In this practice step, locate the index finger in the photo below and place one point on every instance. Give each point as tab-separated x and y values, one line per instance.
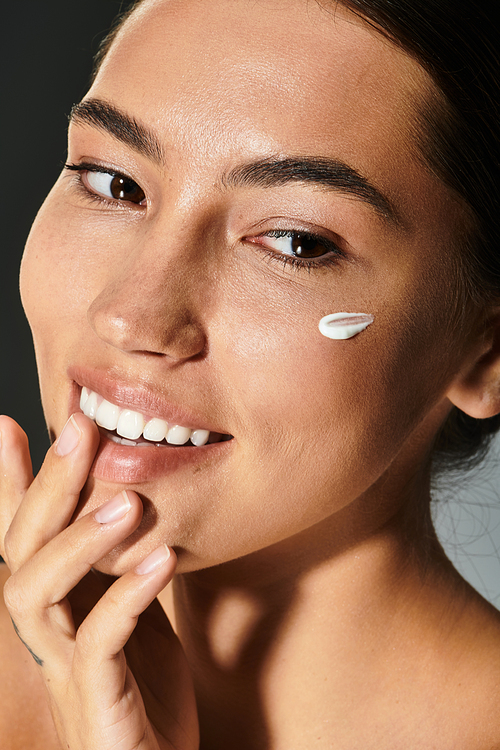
16	472
49	501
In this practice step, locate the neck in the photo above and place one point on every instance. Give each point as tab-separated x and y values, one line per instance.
306	622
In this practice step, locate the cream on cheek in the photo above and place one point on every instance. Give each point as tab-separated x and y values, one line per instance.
343	325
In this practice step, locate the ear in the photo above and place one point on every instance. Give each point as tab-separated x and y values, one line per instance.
476	389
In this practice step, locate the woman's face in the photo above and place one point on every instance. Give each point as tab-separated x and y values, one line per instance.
246	131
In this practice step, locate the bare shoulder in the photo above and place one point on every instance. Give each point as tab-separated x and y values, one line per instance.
482	669
472	679
25	719
443	682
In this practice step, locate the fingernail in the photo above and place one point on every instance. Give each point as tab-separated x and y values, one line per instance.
113	509
153	561
68	439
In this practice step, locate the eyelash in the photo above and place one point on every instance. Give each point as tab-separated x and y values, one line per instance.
297	263
82	167
288	261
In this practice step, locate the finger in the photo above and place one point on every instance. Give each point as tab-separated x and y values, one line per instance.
50	500
98	656
36	594
16	472
110	696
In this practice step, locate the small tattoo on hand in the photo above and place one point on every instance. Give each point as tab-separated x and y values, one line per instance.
35	657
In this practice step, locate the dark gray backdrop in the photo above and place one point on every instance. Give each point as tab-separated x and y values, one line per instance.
47	50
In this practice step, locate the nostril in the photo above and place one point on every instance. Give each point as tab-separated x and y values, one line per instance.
145	329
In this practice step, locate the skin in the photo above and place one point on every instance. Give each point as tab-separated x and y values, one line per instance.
316	513
239	305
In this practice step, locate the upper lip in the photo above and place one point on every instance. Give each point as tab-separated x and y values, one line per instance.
138	397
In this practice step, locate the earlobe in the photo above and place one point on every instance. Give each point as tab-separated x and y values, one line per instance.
476	390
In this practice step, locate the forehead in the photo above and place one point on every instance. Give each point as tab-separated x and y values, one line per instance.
277	71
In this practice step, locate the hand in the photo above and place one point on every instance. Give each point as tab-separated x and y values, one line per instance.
115	671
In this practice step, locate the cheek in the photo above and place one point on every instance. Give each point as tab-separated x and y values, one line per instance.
65	262
301	401
49	278
320	409
54	296
41	283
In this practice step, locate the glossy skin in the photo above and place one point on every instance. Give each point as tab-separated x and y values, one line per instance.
180	305
177	296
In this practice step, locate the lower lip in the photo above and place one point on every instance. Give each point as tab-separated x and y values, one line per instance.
129	464
126	464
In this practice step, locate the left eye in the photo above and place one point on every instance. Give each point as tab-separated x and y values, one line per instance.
115	186
298	244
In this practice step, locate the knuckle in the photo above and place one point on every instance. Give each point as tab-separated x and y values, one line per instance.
88	643
15	598
46	480
116	601
11	547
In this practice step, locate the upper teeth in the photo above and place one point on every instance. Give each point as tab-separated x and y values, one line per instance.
131	425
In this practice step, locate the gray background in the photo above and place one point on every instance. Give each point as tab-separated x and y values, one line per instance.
47	50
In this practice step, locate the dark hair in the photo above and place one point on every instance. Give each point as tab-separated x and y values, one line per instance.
456	42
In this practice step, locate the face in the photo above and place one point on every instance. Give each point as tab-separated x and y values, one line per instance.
180	267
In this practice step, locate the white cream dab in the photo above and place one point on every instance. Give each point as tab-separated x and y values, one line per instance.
344	325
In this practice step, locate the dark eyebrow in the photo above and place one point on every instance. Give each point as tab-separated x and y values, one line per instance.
331	174
319	171
127	129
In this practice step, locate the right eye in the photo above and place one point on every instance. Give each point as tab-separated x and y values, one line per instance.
114	186
110	185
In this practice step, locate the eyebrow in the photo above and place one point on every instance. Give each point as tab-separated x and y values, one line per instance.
127	129
320	172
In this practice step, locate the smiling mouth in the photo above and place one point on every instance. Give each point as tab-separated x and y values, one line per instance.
127	427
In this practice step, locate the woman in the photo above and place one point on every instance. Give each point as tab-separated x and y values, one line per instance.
230	185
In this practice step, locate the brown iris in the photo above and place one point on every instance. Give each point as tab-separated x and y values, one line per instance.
122	188
305	246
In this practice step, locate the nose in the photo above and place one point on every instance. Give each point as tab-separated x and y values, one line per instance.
148	306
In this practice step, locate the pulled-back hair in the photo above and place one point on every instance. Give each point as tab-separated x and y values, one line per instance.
456	42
